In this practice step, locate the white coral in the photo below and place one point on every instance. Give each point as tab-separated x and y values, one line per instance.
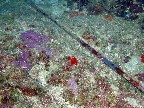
39	73
133	64
133	102
56	92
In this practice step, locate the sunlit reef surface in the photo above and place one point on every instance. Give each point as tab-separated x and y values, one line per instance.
41	66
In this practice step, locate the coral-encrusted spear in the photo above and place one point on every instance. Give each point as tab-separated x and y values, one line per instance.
83	43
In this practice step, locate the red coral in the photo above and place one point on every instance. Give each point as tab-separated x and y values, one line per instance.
6	101
140	76
88	36
73	60
75	13
102	84
27	91
70	65
142	58
104	103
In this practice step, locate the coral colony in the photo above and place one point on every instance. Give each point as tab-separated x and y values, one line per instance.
72	85
22	60
33	40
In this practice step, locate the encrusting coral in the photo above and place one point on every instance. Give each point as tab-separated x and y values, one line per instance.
32	40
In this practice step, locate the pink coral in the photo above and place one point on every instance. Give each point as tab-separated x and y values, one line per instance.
72	85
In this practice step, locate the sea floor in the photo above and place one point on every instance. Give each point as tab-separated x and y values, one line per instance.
71	76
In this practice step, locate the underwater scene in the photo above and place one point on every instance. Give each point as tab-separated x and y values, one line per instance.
71	53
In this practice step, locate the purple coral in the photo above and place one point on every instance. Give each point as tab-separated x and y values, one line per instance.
24	54
31	37
23	64
22	61
35	40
